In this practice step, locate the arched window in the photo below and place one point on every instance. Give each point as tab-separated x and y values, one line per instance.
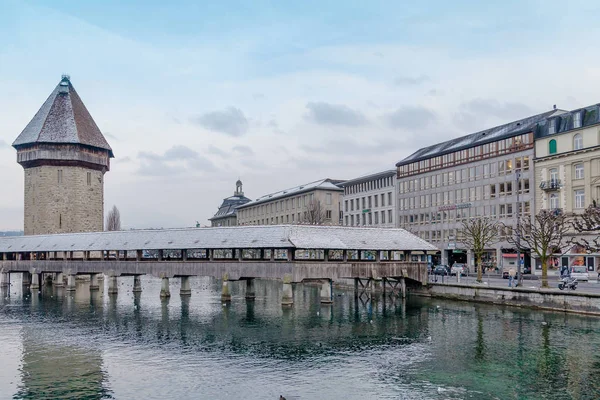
552	147
577	142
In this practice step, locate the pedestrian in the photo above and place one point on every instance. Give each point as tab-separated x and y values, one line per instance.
511	275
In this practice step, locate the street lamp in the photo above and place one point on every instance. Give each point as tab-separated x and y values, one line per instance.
519	274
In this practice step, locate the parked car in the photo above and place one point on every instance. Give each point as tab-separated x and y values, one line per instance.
458	268
580	273
441	270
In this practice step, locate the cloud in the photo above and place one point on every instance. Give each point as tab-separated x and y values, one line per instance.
180	153
217	151
475	114
410	117
334	114
410	80
176	160
243	150
351	147
123	160
230	121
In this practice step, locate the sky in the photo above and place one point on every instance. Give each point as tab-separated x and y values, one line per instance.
192	95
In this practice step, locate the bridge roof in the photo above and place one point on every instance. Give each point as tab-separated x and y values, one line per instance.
247	237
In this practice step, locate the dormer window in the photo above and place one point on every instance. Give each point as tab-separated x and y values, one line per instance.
552	127
577	120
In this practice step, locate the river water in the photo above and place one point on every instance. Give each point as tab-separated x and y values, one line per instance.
58	345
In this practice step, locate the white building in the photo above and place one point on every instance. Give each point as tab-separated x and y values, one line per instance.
370	200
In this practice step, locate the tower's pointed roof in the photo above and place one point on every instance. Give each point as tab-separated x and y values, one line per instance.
63	118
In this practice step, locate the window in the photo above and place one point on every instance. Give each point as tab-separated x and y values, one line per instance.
578	171
579	198
382	200
577	120
577	142
553	174
369	201
328	214
389	198
552	146
60	176
390	220
383	217
554	201
376	198
376	218
346	206
89	178
552	127
345	220
328	199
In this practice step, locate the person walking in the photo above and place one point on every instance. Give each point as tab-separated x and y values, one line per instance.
511	276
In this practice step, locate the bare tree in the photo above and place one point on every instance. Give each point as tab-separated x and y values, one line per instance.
545	235
314	214
588	223
113	220
478	234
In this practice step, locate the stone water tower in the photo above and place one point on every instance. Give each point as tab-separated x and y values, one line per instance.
65	157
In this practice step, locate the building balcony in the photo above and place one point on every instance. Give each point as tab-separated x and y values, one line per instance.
551	185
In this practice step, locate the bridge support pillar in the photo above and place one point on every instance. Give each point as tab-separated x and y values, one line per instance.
355	285
35	281
60	280
26	279
225	294
94	282
186	289
71	285
4	279
287	296
403	287
137	284
250	294
113	287
326	293
164	288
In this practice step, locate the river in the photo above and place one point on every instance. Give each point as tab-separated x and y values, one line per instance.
59	345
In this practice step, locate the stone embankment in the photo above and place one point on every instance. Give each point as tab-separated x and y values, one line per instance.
543	299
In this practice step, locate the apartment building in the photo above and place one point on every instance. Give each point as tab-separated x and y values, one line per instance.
487	173
567	167
370	200
312	203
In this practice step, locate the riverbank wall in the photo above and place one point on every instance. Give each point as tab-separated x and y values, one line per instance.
543	299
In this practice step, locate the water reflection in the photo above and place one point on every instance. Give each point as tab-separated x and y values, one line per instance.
92	345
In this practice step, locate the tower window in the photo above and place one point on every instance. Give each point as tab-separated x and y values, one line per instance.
60	221
89	178
60	176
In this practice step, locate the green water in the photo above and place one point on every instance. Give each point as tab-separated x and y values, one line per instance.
92	346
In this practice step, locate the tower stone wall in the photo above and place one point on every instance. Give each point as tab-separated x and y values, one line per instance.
62	199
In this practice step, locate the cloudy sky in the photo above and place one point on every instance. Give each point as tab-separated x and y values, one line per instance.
192	95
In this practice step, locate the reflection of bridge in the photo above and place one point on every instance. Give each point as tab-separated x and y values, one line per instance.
288	253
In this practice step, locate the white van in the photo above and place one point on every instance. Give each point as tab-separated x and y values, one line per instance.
580	272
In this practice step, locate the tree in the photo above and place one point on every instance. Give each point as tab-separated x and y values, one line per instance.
113	220
314	214
588	223
545	235
478	234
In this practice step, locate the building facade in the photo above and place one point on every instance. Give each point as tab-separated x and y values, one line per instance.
487	173
370	200
65	157
567	167
315	203
227	213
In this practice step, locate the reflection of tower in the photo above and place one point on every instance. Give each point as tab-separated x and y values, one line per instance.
65	156
55	369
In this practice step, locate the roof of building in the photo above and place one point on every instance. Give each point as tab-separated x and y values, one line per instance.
505	131
369	177
323	184
64	119
247	237
590	115
227	208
